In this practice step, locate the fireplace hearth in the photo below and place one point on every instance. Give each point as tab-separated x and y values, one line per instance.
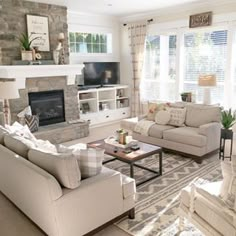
48	105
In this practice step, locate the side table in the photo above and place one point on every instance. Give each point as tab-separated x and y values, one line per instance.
225	135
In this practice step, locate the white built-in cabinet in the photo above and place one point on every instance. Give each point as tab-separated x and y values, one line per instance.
103	105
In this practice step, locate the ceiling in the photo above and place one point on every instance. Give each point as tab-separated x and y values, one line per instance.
124	8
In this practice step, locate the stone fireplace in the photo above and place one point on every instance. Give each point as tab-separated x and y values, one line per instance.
48	105
56	102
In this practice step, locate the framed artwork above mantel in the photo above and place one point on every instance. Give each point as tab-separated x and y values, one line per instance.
37	27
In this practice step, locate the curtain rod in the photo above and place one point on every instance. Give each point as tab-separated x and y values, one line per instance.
150	20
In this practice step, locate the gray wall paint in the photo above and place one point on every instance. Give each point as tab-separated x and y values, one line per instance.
13	23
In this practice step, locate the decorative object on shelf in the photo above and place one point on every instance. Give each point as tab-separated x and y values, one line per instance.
228	119
85	107
37	28
186	96
200	20
8	90
26	47
207	81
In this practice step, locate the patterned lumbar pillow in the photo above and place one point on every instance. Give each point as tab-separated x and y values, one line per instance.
32	122
177	116
90	161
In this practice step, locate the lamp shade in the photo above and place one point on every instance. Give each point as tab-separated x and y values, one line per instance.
8	90
207	80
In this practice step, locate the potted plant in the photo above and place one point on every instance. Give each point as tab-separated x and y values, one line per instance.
26	50
228	119
186	96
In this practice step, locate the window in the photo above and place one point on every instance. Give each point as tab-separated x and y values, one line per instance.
205	53
159	74
90	43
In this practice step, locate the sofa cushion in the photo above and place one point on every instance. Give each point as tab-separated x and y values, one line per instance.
185	135
177	116
18	144
90	161
198	115
156	130
64	167
162	117
128	186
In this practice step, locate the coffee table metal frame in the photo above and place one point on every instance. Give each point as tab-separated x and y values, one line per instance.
119	155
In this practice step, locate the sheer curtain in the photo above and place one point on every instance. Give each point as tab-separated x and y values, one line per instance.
137	35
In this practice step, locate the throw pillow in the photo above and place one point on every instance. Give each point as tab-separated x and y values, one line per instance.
32	122
90	161
18	144
64	167
177	116
162	117
45	146
153	108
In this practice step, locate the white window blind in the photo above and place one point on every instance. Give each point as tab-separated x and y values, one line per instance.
205	53
159	72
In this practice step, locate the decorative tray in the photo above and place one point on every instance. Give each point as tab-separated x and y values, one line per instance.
112	141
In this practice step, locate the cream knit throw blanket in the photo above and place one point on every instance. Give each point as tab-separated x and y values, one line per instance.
143	126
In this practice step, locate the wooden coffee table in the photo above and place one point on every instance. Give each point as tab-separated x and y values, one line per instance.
146	150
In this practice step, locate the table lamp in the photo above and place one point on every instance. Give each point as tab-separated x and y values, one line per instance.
8	90
207	81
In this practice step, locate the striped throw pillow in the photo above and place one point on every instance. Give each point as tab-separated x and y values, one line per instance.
90	161
32	122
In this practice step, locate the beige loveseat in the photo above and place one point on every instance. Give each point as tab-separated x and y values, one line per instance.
199	135
57	210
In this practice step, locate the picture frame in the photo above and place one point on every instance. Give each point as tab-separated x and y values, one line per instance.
200	20
37	27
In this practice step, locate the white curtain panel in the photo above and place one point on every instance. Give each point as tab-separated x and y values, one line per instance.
137	34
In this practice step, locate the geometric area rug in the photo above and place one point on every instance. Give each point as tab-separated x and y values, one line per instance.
157	201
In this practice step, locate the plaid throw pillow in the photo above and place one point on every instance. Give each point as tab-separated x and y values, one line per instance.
90	161
32	122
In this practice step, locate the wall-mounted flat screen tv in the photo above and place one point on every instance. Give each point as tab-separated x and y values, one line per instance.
101	73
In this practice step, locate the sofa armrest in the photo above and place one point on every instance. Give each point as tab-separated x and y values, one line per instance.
210	129
214	201
141	117
212	132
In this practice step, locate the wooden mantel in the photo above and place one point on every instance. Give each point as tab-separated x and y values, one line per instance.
20	73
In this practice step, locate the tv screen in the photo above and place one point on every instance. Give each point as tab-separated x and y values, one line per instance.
101	73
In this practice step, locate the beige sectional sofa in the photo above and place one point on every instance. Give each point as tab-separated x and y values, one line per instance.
199	135
57	210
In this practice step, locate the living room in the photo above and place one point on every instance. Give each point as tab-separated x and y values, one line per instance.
121	113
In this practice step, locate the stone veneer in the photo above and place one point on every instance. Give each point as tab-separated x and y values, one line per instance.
56	133
13	23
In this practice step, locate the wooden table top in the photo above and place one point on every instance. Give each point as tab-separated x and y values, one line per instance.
145	150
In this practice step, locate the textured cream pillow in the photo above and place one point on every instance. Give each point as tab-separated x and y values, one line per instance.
64	167
177	116
162	117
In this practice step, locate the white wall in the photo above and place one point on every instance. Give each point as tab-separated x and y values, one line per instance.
83	22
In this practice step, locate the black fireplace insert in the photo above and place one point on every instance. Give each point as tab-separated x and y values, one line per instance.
48	105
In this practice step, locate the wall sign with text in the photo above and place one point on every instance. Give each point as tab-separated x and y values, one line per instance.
37	27
199	20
